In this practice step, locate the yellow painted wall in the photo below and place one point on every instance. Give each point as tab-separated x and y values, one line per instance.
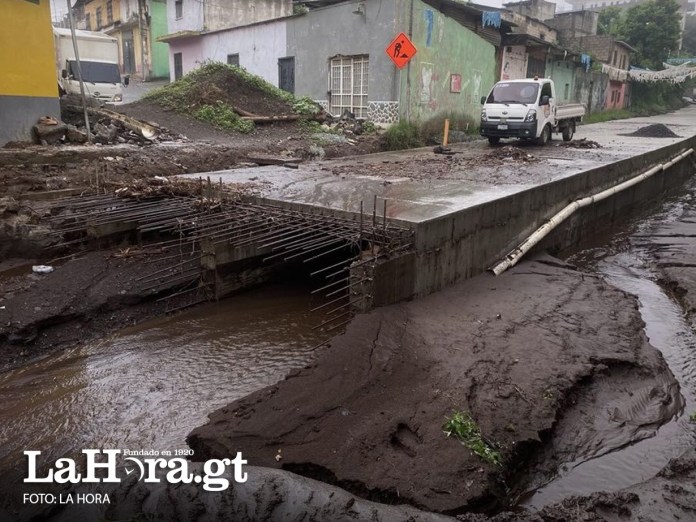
91	10
26	49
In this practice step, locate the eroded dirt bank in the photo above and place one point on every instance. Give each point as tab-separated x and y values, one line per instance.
673	247
514	351
669	496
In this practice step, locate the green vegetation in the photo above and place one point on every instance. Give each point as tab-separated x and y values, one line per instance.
657	97
692	417
651	27
598	117
369	127
209	94
648	99
222	116
433	128
403	135
610	20
464	428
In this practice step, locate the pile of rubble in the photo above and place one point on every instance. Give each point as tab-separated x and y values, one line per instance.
158	187
583	143
107	128
347	124
509	153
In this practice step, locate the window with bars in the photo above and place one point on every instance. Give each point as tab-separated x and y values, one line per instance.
348	81
99	18
109	12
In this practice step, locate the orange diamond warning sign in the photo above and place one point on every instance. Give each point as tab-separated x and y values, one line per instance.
401	50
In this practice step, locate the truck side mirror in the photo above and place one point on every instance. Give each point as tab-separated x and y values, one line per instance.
64	74
544	100
126	80
483	100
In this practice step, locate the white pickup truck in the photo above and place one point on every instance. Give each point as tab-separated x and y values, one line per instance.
527	109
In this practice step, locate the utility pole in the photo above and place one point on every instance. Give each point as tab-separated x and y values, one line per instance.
79	71
145	74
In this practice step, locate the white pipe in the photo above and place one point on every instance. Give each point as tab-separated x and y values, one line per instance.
513	257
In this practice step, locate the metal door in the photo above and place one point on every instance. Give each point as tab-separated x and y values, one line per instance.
536	67
128	53
286	74
178	66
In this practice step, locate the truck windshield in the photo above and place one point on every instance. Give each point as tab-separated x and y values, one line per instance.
514	92
96	72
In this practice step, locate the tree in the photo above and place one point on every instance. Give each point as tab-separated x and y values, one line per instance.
610	21
689	36
653	29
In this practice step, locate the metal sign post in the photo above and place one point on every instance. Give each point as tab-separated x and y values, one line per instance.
79	71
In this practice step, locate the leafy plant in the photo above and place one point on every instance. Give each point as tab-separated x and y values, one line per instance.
464	428
403	135
223	116
369	127
306	106
692	417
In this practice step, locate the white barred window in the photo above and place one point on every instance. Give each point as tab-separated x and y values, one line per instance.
348	85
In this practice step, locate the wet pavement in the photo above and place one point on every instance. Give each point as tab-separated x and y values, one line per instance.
420	185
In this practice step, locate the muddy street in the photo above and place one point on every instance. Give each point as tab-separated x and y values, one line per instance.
145	386
335	323
149	385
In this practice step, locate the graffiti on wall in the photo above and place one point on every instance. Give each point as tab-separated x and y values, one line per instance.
426	82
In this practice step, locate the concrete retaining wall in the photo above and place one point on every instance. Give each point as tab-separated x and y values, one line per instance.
463	244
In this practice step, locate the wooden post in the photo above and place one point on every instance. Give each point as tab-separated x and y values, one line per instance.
445	134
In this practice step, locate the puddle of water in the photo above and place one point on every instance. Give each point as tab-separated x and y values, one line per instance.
149	386
669	331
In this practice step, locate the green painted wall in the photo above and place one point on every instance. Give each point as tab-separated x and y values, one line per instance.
562	72
158	27
444	48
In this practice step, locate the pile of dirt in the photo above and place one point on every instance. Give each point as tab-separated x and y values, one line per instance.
509	153
231	98
583	143
47	168
390	383
656	130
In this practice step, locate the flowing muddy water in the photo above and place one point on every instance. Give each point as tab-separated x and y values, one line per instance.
150	385
626	264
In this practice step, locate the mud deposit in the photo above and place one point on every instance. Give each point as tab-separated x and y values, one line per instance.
511	355
147	387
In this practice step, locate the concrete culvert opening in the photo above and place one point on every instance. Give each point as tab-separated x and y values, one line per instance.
205	243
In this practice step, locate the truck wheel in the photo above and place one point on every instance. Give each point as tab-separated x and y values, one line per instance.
493	140
545	136
569	131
